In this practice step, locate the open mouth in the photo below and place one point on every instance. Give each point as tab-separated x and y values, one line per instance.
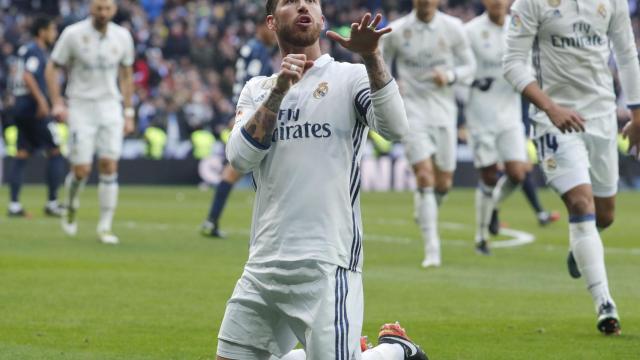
304	20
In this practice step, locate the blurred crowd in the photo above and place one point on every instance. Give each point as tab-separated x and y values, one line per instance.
186	51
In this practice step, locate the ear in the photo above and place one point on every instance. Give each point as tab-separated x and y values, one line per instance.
271	22
324	23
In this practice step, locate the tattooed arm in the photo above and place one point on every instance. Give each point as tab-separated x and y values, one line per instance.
378	71
251	136
376	95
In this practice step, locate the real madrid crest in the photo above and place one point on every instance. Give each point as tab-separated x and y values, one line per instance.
442	44
554	3
551	163
602	10
321	91
485	34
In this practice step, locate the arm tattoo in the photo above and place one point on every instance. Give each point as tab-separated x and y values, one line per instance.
263	122
377	70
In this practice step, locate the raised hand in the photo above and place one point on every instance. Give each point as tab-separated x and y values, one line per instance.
364	36
292	69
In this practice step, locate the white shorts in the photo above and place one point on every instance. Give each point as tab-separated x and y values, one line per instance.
438	141
573	159
272	309
491	148
95	126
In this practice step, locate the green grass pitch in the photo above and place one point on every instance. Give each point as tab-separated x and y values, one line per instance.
161	293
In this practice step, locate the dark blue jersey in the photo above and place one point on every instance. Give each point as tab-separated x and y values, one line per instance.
32	59
254	60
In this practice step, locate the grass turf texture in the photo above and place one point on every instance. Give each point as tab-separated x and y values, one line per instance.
161	293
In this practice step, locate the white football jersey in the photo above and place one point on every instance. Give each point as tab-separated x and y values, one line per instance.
93	59
308	180
571	43
493	104
419	48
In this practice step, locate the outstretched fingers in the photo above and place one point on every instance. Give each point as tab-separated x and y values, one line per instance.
337	38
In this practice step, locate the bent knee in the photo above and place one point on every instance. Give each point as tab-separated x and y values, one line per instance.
580	205
605	220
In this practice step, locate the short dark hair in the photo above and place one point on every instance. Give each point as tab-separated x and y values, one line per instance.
271	6
40	22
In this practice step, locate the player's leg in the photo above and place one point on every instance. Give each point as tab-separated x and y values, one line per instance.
108	198
419	147
485	206
25	145
230	176
109	138
15	178
529	189
485	159
252	328
82	129
566	161
50	140
445	139
511	148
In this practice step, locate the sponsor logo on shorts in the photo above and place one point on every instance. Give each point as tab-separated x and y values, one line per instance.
551	164
554	3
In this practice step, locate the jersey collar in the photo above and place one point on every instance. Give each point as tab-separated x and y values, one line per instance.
431	25
322	61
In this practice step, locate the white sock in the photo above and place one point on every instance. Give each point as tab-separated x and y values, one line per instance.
74	187
484	208
384	352
108	198
503	189
589	254
428	221
297	354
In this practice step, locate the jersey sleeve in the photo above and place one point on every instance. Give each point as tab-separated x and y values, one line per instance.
243	152
382	111
520	36
624	48
129	51
31	62
389	48
465	67
62	51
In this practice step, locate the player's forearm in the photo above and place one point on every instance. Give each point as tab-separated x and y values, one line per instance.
378	72
32	85
126	86
52	75
261	126
539	98
387	114
466	70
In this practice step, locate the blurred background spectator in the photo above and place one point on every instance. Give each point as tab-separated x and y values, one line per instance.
186	54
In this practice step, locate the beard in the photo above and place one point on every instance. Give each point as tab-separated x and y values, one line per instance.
298	38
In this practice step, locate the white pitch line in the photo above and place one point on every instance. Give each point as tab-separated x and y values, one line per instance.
519	237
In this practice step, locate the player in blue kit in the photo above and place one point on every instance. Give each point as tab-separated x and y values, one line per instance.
36	130
255	60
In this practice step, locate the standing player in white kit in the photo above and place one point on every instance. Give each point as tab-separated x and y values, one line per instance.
301	132
98	56
575	117
494	118
432	53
